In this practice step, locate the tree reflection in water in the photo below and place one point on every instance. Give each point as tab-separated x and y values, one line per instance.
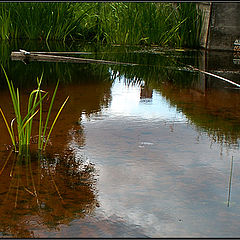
40	193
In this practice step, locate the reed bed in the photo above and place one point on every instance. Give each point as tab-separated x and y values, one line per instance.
165	24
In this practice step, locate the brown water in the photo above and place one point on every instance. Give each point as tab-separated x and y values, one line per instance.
128	159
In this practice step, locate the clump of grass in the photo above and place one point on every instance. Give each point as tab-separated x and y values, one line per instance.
21	137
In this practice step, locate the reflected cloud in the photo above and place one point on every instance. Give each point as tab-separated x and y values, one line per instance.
127	101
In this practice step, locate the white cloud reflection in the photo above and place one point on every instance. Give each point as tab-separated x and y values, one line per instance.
126	102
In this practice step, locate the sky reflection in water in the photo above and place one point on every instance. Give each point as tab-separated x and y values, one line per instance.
156	171
127	102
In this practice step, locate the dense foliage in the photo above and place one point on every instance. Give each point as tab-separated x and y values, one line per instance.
165	24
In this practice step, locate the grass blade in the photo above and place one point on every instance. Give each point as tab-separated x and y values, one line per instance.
48	115
55	122
29	119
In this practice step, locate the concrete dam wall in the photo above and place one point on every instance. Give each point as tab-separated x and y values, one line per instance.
221	25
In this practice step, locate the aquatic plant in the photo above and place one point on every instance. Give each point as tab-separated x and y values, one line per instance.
21	139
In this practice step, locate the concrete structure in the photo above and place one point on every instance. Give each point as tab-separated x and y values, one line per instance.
221	25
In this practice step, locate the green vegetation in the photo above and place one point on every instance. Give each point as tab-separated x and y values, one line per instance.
165	24
189	32
49	20
145	23
21	140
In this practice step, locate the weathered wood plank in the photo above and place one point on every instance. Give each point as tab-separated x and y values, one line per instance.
53	58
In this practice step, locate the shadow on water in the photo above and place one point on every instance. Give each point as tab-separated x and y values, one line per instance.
152	64
24	75
41	193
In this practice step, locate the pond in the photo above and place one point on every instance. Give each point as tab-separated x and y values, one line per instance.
147	150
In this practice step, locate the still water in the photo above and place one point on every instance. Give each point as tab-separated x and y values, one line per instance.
143	151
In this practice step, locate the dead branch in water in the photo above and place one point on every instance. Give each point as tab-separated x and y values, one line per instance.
30	56
214	75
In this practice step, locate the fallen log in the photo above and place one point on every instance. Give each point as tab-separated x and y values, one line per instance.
30	56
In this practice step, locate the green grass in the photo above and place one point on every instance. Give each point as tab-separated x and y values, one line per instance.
38	20
189	31
22	135
144	23
165	24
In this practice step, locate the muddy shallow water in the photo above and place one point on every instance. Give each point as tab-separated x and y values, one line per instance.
137	152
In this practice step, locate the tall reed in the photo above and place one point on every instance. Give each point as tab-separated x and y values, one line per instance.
165	24
39	20
144	23
5	24
189	31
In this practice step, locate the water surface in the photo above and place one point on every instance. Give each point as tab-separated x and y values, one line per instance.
140	151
